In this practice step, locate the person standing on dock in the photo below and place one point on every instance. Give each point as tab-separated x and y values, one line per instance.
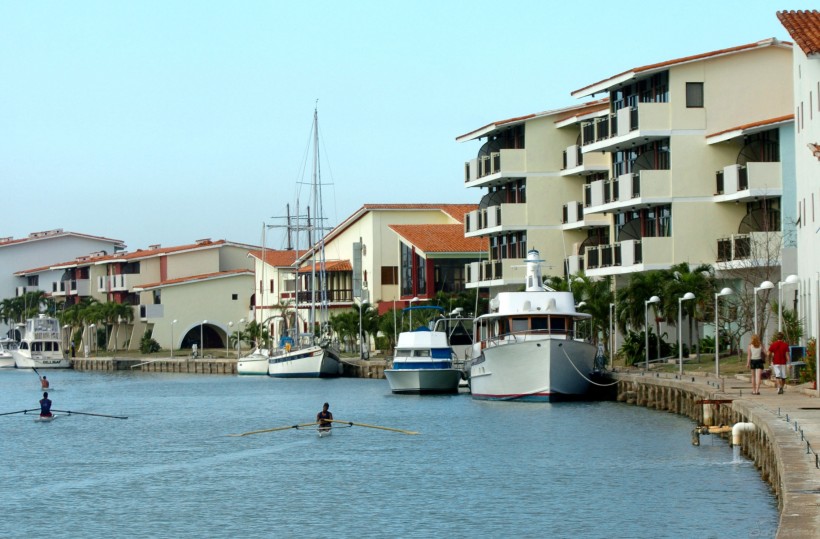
779	356
324	418
45	405
755	358
43	382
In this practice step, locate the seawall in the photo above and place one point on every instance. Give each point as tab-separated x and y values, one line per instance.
783	445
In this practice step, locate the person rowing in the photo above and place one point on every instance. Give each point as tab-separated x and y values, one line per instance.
45	405
325	418
44	382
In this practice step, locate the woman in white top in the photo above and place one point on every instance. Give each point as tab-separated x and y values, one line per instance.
755	361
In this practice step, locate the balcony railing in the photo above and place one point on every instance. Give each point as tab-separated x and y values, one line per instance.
626	120
152	310
625	253
761	176
761	245
508	162
333	296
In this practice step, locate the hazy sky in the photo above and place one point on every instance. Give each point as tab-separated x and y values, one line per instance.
168	121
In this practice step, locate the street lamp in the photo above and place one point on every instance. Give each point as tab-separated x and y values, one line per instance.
228	339
724	292
172	337
686	297
791	279
765	285
202	337
611	333
411	311
239	338
653	299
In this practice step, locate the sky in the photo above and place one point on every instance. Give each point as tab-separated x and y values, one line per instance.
165	122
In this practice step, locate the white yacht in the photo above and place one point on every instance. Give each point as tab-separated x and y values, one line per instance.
311	361
254	363
6	357
423	363
41	345
526	348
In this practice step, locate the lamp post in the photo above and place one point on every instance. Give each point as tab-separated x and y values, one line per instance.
611	333
411	311
172	337
724	292
91	337
239	338
653	299
228	339
791	279
202	337
395	325
765	285
686	297
578	306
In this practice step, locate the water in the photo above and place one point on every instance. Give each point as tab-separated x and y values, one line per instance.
478	468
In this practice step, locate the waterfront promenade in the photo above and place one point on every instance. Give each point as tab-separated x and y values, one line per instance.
784	444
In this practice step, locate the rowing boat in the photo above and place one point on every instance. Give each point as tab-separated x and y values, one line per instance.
324	432
45	418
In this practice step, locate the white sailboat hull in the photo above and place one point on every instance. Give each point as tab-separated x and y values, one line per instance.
45	360
253	364
423	380
310	362
6	361
533	370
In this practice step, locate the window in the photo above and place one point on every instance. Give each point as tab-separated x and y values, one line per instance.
694	95
234	297
390	275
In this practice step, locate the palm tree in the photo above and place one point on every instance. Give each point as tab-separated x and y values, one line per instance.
630	311
596	296
700	281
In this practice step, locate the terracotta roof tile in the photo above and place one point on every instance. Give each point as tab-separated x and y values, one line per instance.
440	238
330	266
56	233
804	27
194	278
276	258
755	124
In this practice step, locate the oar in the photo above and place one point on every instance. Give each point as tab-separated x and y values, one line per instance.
69	412
275	429
372	426
22	411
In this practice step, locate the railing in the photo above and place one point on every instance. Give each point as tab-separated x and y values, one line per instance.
117	283
528	335
626	253
333	296
719	182
735	247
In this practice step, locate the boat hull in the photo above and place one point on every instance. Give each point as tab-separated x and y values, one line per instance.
420	381
254	364
534	370
7	362
311	362
40	361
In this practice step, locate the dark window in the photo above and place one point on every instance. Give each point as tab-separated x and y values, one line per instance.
234	297
390	275
694	95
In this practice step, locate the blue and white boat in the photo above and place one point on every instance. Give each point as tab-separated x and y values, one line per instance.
423	363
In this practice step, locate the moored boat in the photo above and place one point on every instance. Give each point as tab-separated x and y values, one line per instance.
6	357
41	345
423	363
313	361
526	348
254	363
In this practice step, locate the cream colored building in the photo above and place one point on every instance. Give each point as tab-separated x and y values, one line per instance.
804	28
531	175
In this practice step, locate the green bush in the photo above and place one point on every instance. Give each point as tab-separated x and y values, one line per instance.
148	345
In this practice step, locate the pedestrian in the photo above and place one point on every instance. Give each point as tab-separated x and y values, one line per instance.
43	382
324	418
779	357
755	359
45	405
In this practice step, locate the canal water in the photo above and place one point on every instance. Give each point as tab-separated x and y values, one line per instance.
477	468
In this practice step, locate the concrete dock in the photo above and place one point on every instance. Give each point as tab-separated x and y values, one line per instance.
784	444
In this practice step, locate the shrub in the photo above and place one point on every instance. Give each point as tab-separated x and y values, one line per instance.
148	345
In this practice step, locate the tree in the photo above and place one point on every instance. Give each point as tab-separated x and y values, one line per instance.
700	282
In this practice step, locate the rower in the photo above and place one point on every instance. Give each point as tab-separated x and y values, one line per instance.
43	382
324	418
45	405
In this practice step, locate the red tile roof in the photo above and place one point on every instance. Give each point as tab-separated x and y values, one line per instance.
330	266
194	278
276	258
760	123
686	59
56	233
440	238
804	27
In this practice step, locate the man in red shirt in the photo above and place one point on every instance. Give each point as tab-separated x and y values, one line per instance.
779	356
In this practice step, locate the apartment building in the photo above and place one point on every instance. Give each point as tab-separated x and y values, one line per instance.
698	152
532	174
804	28
41	249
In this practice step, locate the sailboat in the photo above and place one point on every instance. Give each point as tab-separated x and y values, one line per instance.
304	355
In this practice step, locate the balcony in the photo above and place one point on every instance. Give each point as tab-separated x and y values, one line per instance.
755	249
498	218
577	163
152	310
624	256
22	290
489	169
646	188
738	183
496	272
117	283
647	121
573	217
574	264
305	297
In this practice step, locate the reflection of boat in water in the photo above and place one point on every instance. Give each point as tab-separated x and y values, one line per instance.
40	346
6	357
254	363
526	348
